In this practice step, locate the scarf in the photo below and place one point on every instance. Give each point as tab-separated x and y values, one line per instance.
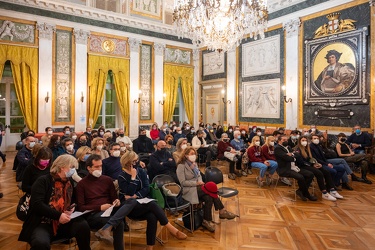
60	198
193	166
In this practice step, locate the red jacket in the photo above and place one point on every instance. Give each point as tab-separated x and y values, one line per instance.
255	154
221	148
268	152
154	133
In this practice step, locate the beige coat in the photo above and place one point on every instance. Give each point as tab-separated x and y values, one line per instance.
188	182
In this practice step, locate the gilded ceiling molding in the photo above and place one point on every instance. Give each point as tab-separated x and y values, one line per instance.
291	27
45	30
134	44
81	36
159	49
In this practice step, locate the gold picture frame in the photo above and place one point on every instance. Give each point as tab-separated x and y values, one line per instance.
147	8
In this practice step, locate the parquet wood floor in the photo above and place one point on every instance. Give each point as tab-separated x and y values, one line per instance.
268	220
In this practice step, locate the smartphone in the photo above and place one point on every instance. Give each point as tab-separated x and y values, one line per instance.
71	206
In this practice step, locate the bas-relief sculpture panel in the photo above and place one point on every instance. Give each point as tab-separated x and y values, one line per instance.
261	99
177	56
261	57
106	45
146	59
147	8
16	32
213	63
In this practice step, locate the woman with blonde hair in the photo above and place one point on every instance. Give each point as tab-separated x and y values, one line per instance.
97	146
181	145
258	160
82	154
134	184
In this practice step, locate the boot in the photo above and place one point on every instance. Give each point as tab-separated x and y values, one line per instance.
355	178
365	180
105	235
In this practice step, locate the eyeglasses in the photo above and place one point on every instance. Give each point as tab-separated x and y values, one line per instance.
135	161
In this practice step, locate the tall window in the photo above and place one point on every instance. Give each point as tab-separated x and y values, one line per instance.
107	116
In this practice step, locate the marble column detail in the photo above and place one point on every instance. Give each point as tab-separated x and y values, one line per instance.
291	27
134	44
45	30
159	49
195	54
81	36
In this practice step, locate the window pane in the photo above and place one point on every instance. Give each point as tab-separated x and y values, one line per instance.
109	109
16	124
110	121
98	122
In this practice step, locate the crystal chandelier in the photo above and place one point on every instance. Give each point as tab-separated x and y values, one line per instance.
220	24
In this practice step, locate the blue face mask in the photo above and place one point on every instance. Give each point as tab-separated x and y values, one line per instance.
86	157
70	173
357	131
239	137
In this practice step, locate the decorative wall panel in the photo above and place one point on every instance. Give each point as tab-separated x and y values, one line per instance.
213	63
177	56
146	82
17	32
108	45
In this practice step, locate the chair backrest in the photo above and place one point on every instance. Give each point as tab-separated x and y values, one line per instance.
162	179
214	174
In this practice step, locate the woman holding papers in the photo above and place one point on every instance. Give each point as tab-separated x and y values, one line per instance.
48	218
134	184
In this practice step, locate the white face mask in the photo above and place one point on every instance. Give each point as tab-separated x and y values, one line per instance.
183	146
179	132
192	158
122	149
116	153
272	143
101	133
97	173
74	137
67	132
230	130
70	173
259	133
99	147
304	143
313	129
49	132
69	147
297	136
257	143
315	141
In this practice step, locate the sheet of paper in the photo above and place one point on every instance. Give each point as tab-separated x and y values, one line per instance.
108	212
77	214
144	200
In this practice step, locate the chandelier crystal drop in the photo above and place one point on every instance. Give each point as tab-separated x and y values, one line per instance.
220	24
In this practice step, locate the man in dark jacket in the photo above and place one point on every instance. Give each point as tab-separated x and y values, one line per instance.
162	162
143	146
23	157
111	165
358	141
287	168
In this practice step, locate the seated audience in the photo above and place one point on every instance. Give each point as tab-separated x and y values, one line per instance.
123	138
55	146
244	136
287	168
258	160
23	156
170	147
225	151
178	135
306	161
97	146
82	154
162	162
66	132
314	131
358	141
229	133
97	193
258	132
190	135
82	141
293	139
219	131
196	191
89	135
48	218
181	145
199	144
143	146
240	146
154	133
344	151
134	184
163	132
68	147
252	133
111	165
47	137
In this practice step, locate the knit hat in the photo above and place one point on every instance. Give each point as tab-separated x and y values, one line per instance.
210	188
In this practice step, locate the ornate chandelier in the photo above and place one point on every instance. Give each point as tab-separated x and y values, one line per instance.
220	24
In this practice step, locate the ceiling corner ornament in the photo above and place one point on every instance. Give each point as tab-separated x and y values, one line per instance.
220	25
81	36
159	49
134	44
335	25
46	30
108	45
291	27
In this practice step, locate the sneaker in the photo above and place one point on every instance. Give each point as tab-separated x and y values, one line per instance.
105	236
329	197
268	180
336	195
286	181
243	172
260	183
249	171
231	176
227	215
208	225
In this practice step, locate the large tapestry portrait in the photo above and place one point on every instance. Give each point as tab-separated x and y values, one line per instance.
336	69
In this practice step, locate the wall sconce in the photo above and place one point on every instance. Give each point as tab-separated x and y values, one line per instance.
162	102
82	97
139	97
47	97
285	99
225	102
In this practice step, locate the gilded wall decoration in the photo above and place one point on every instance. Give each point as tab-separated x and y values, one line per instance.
146	82
177	56
106	45
16	32
147	8
63	78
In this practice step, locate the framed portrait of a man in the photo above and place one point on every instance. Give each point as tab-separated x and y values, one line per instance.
336	69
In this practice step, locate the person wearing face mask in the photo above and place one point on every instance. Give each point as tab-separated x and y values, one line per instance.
163	132
306	161
228	153
238	144
40	166
336	170
101	131
73	136
82	154
344	151
287	167
112	165
125	139
258	132
97	193
196	191
66	131
186	129
199	144
122	148
134	184
181	145
170	147
97	146
211	137
88	134
358	141
219	131
229	132
252	133
244	136
154	133
162	162
293	139
81	141
258	160
50	209
68	145
313	130
191	134
178	135
23	157
47	137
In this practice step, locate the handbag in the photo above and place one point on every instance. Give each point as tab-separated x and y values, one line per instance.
245	158
23	207
172	194
197	217
155	193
